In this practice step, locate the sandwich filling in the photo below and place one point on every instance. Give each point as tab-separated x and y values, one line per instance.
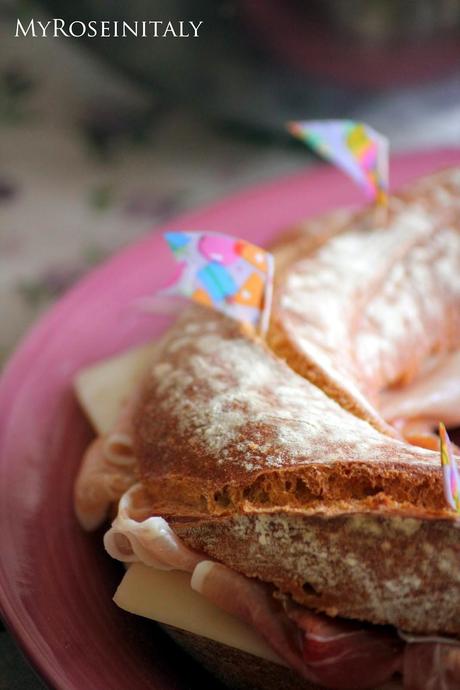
332	652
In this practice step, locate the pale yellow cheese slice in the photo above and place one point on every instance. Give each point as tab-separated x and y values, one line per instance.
103	387
166	597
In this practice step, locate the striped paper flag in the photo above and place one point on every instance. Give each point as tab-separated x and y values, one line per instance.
450	470
354	147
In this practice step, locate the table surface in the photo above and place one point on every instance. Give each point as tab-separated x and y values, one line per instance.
89	164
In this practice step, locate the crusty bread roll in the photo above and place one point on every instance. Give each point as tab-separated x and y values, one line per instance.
364	310
258	468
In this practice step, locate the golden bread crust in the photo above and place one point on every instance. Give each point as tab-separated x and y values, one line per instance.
224	425
305	237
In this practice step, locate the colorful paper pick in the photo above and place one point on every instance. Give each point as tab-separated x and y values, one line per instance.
224	273
450	470
354	147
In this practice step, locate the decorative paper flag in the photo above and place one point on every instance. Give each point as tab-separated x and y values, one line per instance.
227	274
356	148
450	470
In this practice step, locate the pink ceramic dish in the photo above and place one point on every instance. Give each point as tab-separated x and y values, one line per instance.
56	583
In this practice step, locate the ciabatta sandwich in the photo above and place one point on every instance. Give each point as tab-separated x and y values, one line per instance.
286	479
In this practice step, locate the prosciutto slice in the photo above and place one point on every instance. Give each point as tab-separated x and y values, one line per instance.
346	654
252	602
107	471
150	540
431	666
99	484
331	652
432	397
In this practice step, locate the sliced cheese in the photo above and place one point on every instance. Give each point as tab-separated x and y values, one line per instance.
166	597
103	387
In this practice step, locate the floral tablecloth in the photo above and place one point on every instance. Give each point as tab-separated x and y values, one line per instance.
87	164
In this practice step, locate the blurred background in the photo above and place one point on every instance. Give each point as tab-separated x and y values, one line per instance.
101	140
97	148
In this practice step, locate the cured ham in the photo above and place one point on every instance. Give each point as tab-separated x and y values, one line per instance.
346	654
108	470
434	395
150	540
99	484
333	653
252	602
431	666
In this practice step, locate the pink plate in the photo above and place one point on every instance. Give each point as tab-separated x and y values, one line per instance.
56	582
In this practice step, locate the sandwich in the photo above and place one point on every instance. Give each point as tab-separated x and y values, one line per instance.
290	489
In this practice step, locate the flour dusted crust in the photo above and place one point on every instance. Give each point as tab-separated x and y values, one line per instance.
364	310
305	237
224	425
